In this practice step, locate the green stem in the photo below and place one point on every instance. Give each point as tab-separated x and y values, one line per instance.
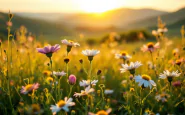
124	61
67	69
141	109
90	71
102	93
18	92
8	82
71	87
51	66
153	64
59	89
1	53
84	69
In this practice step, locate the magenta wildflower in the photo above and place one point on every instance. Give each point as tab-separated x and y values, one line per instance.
29	87
49	50
72	79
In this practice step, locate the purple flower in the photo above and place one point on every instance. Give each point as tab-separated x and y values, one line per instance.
72	79
49	50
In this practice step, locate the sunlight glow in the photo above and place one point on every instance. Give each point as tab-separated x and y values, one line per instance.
97	6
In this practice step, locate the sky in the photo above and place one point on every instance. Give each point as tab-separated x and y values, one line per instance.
72	6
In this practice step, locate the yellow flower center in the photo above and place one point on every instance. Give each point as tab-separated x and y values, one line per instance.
132	89
146	77
49	79
150	45
178	62
124	53
83	93
61	103
47	73
174	52
28	86
88	82
102	112
70	41
35	108
162	95
147	111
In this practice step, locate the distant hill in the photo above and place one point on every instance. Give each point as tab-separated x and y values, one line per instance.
93	24
118	18
35	26
174	18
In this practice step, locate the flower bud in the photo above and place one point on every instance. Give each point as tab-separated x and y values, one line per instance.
81	61
90	58
132	71
49	55
99	72
10	15
131	77
73	112
177	84
69	49
72	79
9	24
66	60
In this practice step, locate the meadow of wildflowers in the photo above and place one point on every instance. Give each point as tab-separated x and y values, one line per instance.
72	78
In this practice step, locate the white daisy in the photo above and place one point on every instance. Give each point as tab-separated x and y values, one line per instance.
108	91
84	92
59	74
131	67
62	104
155	33
85	83
70	43
162	97
90	52
145	81
150	47
162	30
169	75
101	112
123	55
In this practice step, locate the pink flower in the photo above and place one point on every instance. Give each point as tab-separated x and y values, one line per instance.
177	84
29	87
49	50
150	47
72	79
9	23
70	43
30	38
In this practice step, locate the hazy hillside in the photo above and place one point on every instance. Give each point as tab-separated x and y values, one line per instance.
117	18
55	25
170	18
38	27
44	16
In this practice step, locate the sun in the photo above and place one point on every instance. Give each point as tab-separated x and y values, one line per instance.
97	6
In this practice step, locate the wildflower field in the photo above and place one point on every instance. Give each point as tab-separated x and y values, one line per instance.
73	78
